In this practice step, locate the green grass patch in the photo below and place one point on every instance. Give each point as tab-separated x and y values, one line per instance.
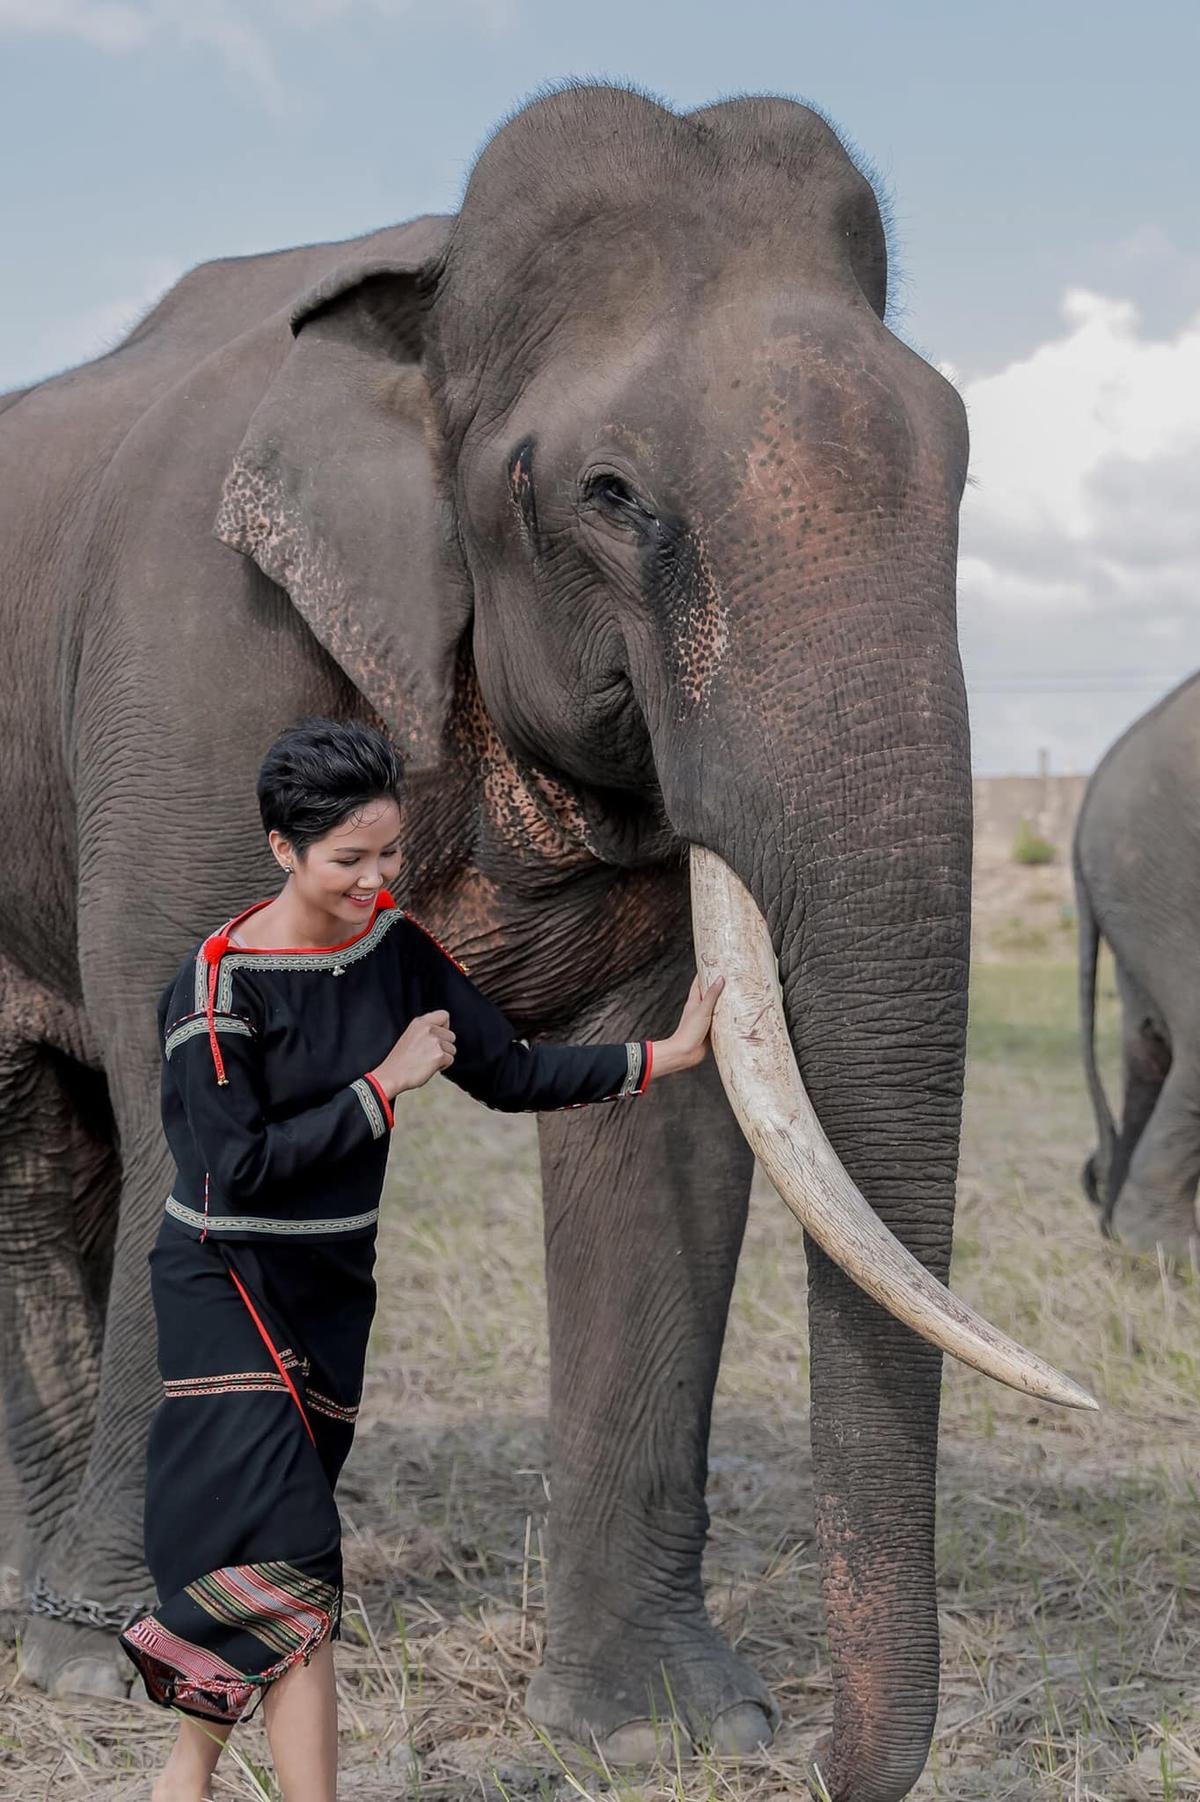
1024	1018
1029	848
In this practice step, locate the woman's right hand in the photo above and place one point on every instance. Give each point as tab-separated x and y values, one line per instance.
424	1047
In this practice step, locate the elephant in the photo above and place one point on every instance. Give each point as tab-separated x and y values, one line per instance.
614	499
1137	871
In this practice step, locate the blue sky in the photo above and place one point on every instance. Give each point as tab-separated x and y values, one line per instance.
1041	161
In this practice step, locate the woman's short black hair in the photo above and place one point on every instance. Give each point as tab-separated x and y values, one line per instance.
321	773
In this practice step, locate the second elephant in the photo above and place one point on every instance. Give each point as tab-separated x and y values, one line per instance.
1137	879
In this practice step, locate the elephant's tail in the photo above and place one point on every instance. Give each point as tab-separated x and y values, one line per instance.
1095	1173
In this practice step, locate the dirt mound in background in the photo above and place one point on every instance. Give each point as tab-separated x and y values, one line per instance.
1021	911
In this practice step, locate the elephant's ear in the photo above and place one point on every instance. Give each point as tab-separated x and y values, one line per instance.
334	490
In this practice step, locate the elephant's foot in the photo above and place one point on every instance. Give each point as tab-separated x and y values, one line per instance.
1143	1223
690	1692
65	1660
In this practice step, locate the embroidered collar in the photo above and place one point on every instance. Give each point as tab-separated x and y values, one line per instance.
217	959
221	941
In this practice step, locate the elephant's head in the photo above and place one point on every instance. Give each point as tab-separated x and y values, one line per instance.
632	428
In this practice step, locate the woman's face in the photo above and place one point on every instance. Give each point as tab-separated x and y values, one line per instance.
342	873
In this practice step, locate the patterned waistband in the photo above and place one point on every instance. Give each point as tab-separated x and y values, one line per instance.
268	1225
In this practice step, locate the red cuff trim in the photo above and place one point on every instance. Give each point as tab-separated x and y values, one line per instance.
384	1103
647	1064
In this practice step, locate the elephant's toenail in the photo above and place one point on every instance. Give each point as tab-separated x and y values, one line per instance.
646	1742
741	1730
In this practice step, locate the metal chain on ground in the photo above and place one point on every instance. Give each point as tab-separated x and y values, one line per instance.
79	1611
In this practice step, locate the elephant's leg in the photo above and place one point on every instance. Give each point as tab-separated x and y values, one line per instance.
645	1205
58	1175
1146	1061
97	1551
1157	1201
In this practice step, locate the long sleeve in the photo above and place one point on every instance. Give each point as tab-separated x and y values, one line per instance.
249	1157
496	1067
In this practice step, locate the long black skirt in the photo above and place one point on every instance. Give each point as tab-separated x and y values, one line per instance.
261	1350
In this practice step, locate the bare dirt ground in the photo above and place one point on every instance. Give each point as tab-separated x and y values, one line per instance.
1070	1545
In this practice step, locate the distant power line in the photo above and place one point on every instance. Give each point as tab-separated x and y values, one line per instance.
1078	682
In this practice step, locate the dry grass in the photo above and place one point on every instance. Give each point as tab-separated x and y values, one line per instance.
1070	1568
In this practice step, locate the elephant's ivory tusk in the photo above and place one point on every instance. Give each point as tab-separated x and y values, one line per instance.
765	1089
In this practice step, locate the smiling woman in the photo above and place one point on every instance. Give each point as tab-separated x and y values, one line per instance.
279	1088
329	809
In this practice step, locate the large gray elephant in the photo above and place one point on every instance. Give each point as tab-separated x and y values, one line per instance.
1137	882
614	497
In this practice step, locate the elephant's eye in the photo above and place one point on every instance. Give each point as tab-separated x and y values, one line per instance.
614	498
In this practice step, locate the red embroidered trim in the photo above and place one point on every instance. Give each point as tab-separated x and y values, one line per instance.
461	968
278	1361
385	1104
383	901
187	1670
648	1053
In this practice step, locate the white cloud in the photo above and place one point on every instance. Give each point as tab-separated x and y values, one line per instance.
107	23
1079	579
241	33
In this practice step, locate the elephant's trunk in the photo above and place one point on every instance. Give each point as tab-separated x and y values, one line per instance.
855	841
767	1094
808	722
829	768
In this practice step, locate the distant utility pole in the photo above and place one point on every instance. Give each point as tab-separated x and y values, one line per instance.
1043	763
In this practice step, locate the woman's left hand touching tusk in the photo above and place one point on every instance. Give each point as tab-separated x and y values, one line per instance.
688	1044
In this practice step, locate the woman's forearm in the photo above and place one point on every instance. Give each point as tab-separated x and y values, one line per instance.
668	1056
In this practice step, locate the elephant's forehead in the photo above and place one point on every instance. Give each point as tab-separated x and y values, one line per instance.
731	349
596	302
753	402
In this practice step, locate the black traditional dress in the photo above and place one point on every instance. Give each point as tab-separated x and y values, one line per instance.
262	1274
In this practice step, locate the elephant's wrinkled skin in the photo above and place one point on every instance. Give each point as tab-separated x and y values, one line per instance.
615	498
1137	879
